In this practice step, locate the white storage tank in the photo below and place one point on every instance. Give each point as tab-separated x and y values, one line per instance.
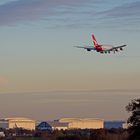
86	123
24	123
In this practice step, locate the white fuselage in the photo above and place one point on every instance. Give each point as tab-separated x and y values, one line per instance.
106	47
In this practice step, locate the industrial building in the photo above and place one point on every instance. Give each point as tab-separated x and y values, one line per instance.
113	124
72	123
52	125
59	125
86	123
25	123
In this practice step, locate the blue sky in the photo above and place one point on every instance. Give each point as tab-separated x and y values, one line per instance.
37	39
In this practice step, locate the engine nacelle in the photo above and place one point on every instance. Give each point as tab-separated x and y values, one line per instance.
88	50
121	49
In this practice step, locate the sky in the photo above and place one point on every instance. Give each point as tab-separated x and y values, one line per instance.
37	53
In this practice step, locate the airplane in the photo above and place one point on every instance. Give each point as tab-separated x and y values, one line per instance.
101	48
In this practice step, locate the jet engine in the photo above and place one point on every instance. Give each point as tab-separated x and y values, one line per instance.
88	50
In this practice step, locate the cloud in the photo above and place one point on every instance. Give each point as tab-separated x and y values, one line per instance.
124	16
71	13
109	14
125	10
30	10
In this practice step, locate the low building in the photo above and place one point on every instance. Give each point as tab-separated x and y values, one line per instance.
44	126
10	123
52	125
113	124
125	125
2	134
72	123
86	123
59	125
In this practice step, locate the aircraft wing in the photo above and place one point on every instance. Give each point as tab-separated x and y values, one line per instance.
79	47
84	47
117	47
88	48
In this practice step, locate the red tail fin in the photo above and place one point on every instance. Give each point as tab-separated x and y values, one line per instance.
95	41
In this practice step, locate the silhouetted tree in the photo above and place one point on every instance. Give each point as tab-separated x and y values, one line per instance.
134	119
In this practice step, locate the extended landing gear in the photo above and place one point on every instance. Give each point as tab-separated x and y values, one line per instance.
105	52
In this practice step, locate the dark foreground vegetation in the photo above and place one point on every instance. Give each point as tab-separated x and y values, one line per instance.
134	120
77	134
